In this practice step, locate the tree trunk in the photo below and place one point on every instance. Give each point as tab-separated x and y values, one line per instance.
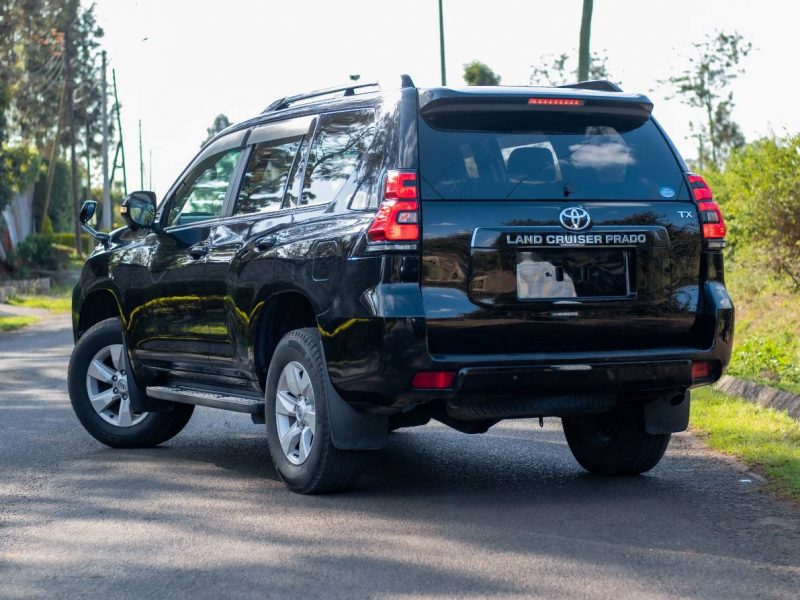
71	120
584	51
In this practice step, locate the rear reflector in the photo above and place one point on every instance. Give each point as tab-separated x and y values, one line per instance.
556	101
397	219
701	370
433	380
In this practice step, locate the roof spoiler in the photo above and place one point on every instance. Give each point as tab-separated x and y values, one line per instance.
601	85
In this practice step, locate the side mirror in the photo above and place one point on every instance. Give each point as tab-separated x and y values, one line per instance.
139	210
88	210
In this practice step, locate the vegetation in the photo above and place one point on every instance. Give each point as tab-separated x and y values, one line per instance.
477	73
54	302
766	440
705	85
220	124
12	323
560	69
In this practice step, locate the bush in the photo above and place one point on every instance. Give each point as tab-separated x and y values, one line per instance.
770	358
759	191
68	239
38	251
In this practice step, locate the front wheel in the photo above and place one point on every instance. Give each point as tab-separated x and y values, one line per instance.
614	443
99	386
298	428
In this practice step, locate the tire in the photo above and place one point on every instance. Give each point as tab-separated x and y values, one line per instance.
116	425
310	463
614	443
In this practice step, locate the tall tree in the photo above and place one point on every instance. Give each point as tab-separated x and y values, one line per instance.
584	53
477	73
220	124
705	85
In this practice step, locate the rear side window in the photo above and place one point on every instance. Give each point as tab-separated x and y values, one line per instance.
341	140
266	175
546	155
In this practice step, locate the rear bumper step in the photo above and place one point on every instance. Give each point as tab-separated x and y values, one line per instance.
251	406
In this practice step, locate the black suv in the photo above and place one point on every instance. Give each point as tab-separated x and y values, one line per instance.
358	259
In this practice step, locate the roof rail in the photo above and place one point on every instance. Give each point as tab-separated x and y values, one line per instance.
601	85
348	90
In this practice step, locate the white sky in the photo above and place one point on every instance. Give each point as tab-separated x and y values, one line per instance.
200	59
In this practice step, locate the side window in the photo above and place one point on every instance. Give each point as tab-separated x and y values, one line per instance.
265	178
203	192
339	143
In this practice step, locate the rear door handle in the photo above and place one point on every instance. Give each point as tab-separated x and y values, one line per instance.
199	249
266	243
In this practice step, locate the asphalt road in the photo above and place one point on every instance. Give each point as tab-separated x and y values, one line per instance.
439	514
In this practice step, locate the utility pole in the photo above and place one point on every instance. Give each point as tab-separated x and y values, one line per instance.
71	122
150	171
141	158
51	165
441	43
584	52
104	115
121	145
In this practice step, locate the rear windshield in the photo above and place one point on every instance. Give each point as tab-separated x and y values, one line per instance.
545	155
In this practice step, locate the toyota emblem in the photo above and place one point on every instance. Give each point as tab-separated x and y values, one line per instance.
575	218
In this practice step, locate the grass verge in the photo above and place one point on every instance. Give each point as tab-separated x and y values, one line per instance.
765	439
12	323
59	304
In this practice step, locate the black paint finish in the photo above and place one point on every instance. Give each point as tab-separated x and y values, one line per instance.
206	302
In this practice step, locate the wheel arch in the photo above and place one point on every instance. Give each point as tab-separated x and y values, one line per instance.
97	306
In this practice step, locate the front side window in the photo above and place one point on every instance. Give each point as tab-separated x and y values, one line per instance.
265	178
339	143
202	194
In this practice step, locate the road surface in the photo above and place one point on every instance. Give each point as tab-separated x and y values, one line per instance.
439	513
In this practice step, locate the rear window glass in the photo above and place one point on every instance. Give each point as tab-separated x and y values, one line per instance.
545	155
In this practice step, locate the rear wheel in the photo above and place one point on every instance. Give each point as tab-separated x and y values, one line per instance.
99	388
298	428
614	443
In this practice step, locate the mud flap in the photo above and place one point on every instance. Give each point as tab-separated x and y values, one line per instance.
668	414
352	429
140	401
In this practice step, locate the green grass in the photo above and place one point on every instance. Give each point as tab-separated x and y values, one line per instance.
766	346
766	440
12	323
60	302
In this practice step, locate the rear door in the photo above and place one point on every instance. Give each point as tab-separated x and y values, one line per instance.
551	229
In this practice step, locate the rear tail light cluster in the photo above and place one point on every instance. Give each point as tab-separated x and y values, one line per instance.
710	215
397	219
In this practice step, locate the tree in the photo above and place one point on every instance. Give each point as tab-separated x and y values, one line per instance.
221	123
558	69
705	85
584	54
477	73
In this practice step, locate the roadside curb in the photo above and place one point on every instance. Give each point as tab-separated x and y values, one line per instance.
763	395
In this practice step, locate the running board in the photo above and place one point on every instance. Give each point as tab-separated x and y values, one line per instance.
252	406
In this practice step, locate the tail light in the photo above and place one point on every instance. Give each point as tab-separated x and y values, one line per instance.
397	219
710	215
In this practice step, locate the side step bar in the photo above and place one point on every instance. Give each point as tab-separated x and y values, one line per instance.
242	404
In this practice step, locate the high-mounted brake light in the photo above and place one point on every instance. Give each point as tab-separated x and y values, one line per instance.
710	214
397	219
556	101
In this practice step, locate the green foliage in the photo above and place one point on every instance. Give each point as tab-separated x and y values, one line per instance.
67	239
768	358
39	251
765	439
559	69
759	191
59	210
477	73
20	170
705	85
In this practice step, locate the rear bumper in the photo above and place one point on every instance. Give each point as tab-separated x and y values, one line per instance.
372	365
